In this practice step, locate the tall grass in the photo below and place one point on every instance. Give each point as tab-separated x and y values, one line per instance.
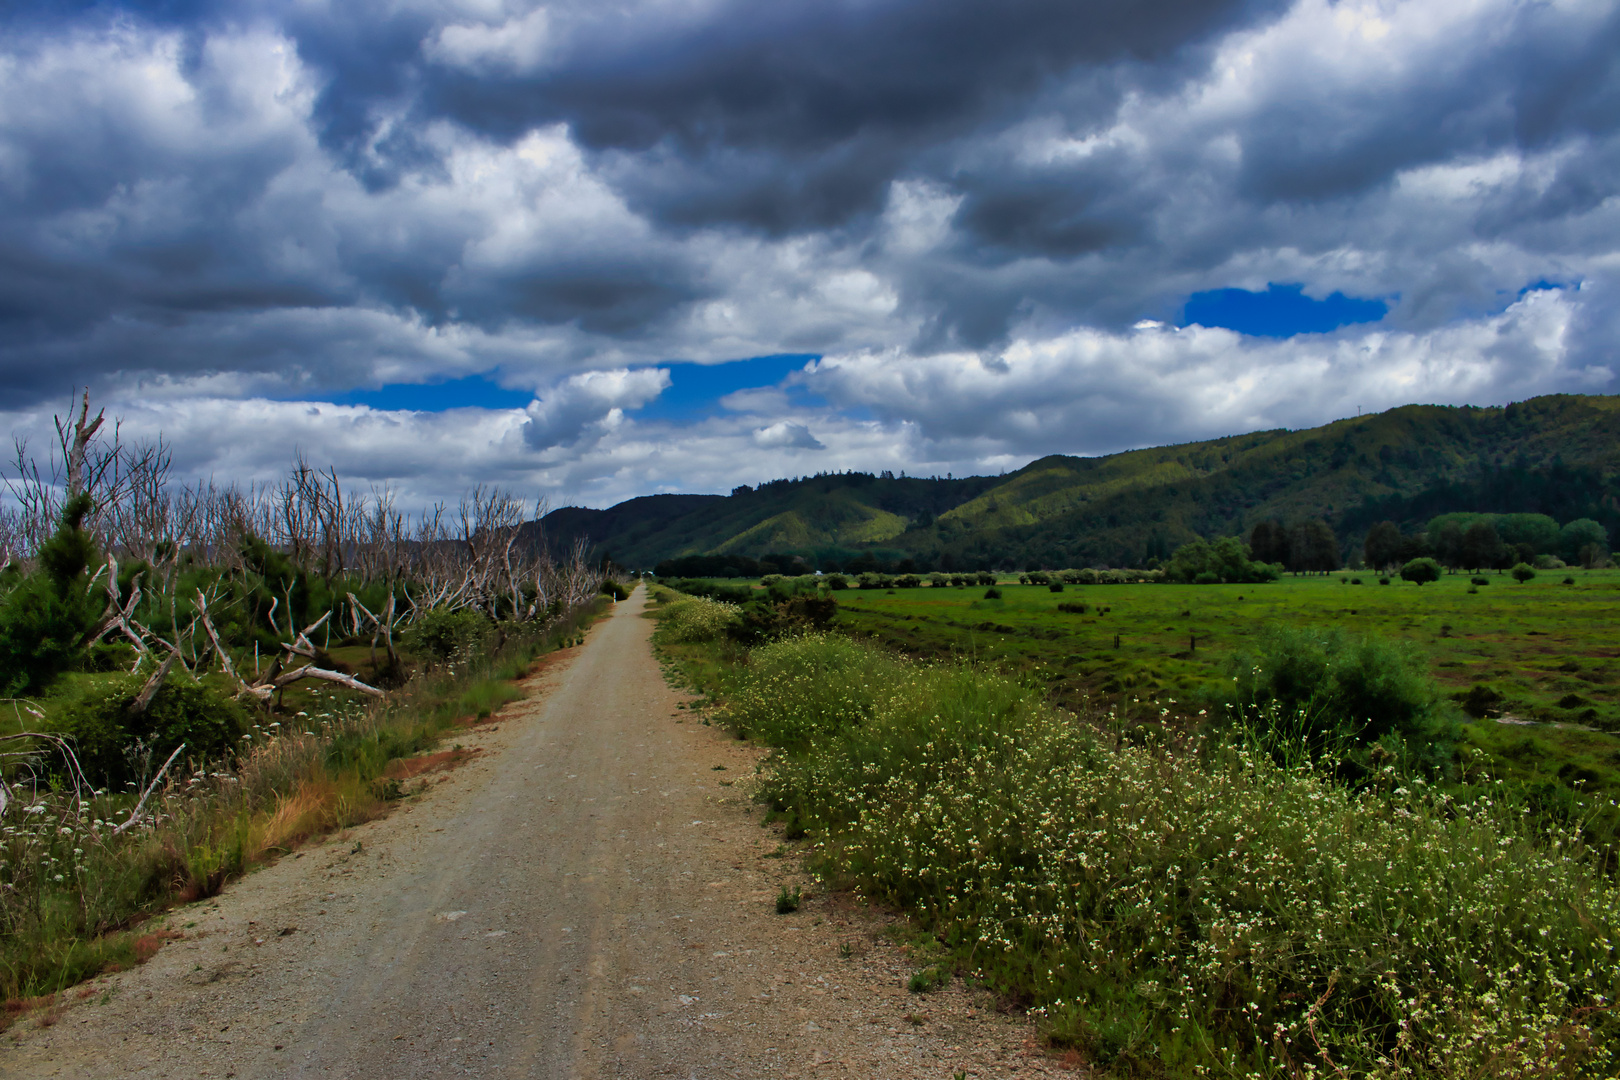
71	890
1191	906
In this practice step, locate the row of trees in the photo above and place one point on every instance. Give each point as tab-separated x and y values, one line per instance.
1489	542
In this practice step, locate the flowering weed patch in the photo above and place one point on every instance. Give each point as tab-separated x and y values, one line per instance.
1189	905
696	618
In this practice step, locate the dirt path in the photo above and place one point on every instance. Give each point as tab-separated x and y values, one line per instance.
590	898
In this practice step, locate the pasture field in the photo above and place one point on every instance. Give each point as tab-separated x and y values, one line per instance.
1548	652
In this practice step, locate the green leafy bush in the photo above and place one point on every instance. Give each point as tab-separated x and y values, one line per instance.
1226	560
614	588
94	710
1329	692
443	634
1419	571
1523	572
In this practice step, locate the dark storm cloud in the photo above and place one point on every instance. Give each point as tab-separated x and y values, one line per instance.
1530	83
797	115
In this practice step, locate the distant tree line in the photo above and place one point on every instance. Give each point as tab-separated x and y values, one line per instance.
1468	541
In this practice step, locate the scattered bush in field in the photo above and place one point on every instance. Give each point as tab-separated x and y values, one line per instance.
937	581
1325	691
1569	581
1419	571
1056	586
1523	572
1383	581
1480	701
443	634
985	578
1074	609
95	711
615	589
837	581
1479	579
788	902
992	593
697	618
1196	908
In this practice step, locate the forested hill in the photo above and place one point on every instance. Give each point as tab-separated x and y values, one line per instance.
1558	455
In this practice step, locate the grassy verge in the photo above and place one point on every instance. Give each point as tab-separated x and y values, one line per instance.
73	894
1183	907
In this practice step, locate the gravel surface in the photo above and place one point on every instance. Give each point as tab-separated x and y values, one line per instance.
591	896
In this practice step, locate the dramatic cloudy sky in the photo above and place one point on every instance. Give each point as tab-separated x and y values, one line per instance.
594	250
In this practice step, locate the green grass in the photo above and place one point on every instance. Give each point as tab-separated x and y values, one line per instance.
1534	644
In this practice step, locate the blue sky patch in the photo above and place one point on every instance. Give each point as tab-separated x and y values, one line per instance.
695	390
474	391
1280	312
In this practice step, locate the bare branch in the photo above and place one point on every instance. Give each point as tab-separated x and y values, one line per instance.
143	700
135	815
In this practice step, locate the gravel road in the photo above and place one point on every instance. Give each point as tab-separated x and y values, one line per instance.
592	896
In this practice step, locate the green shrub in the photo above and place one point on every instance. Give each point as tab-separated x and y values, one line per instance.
992	593
1226	560
1327	692
443	634
1523	572
821	671
1419	571
615	589
94	710
1479	579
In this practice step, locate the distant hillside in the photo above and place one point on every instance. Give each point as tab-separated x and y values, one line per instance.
1558	455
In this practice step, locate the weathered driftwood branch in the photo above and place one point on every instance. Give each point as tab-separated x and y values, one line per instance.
117	615
310	671
143	700
31	752
219	647
135	815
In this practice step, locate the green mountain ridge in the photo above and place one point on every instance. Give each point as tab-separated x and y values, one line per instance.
1558	455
